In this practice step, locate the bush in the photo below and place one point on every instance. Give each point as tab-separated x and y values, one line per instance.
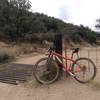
5	56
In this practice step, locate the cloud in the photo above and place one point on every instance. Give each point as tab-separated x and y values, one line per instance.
45	6
64	13
84	12
74	11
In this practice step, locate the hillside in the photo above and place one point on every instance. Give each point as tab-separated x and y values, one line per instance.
18	23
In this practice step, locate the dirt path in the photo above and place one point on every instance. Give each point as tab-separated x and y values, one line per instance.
64	89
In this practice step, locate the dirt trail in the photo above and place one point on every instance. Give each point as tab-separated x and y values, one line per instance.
65	89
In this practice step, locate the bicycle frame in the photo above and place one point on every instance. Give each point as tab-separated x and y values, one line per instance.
48	69
65	68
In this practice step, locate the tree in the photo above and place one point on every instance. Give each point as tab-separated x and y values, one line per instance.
4	15
14	18
17	22
21	4
21	16
98	24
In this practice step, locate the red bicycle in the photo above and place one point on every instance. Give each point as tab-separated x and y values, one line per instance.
47	70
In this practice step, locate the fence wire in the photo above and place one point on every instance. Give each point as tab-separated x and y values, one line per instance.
92	53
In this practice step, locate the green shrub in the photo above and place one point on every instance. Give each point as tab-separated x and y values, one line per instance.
6	56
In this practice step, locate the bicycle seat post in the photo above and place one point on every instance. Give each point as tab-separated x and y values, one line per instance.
77	55
75	51
72	55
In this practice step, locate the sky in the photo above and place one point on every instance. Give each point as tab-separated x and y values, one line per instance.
78	12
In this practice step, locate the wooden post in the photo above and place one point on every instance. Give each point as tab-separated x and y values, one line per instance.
58	44
65	43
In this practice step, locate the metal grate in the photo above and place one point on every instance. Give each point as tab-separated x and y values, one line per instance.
14	73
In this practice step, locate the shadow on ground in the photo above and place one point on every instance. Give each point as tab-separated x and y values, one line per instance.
15	73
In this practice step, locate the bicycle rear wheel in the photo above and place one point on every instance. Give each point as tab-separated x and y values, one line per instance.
46	71
84	70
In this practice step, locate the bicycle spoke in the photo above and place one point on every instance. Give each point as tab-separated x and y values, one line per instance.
46	71
87	72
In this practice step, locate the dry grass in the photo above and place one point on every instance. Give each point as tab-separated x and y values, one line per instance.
31	83
8	51
95	85
6	55
22	48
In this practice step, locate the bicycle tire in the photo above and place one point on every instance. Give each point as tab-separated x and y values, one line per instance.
46	81
89	61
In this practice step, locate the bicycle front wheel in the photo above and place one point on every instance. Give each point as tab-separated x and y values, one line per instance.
46	71
84	70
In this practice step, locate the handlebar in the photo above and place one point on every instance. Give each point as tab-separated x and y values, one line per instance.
51	49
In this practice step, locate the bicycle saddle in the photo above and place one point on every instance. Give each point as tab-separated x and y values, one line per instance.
75	50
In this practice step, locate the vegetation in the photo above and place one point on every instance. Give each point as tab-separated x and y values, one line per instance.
18	23
98	24
10	52
6	56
